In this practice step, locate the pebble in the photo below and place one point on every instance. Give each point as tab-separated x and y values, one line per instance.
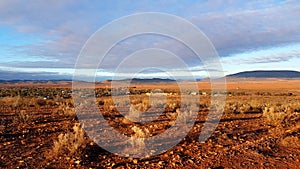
7	143
165	155
135	161
218	145
190	161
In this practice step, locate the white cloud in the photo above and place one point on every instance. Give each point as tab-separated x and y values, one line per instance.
233	27
267	55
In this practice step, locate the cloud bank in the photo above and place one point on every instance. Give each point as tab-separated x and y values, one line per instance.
51	34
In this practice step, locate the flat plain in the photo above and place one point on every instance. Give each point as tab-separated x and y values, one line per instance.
259	128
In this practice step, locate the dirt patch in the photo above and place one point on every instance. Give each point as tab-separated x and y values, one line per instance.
244	137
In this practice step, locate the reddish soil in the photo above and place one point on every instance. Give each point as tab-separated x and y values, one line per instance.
241	140
251	84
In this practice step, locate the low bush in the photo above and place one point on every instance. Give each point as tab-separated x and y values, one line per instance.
70	143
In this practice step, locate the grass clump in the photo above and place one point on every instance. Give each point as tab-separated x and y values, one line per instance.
272	117
70	143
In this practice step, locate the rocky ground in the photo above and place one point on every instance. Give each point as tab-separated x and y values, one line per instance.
241	140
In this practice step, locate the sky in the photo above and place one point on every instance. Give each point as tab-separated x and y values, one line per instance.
42	39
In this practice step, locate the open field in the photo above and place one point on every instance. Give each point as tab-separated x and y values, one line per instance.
260	127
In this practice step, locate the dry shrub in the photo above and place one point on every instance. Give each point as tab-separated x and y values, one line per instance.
272	117
138	108
17	102
172	106
231	108
140	133
285	124
240	107
65	110
24	117
70	143
69	102
245	108
137	141
32	102
291	142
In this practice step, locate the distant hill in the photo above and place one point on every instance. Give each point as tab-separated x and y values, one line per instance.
151	80
134	80
35	81
266	74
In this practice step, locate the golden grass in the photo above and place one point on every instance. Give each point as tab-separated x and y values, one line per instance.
70	143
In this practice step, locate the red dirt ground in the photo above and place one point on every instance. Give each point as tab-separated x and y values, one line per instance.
241	140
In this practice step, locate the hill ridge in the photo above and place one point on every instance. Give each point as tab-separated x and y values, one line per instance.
266	74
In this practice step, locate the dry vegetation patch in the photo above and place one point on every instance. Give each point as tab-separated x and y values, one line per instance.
259	129
69	144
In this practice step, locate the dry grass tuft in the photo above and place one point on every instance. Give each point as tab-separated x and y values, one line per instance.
24	117
291	142
137	144
272	117
66	110
70	143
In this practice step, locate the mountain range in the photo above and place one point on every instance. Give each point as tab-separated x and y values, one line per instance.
260	74
266	74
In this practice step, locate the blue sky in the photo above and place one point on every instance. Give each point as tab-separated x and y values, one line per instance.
42	39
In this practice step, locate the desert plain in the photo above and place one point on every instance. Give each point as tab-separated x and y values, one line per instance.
259	127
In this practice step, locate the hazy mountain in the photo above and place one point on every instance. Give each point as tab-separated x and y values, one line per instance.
266	74
150	80
15	77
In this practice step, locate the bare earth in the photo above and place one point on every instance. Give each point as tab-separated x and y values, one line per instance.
246	137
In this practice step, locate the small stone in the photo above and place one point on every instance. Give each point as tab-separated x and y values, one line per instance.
190	161
135	161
